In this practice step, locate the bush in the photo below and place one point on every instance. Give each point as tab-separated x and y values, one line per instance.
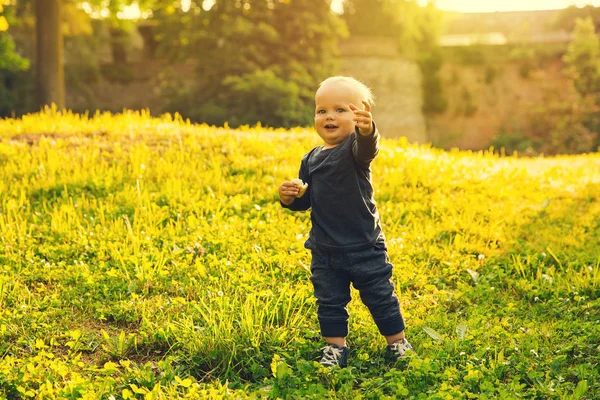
118	73
558	128
490	74
566	122
470	55
582	59
513	142
262	96
11	77
434	100
264	64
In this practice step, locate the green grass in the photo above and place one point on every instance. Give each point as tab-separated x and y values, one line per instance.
150	258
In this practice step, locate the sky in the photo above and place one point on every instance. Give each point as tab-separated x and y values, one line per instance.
470	6
465	6
509	5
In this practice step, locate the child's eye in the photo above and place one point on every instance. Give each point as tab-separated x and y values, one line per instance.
321	112
340	110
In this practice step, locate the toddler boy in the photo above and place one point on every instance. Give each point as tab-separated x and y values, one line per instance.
346	240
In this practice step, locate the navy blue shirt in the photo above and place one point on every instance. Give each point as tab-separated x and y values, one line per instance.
344	214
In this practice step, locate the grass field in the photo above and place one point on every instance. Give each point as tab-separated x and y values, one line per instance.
149	258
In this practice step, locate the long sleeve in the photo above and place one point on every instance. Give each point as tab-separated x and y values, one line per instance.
366	148
303	203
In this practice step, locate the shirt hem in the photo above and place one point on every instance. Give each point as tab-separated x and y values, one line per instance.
344	249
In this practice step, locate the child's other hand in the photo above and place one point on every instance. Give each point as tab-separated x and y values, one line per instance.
363	118
288	192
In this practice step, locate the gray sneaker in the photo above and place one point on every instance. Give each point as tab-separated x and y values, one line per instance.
334	355
398	350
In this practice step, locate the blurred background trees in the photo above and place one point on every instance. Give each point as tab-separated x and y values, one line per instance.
257	60
10	65
245	61
417	31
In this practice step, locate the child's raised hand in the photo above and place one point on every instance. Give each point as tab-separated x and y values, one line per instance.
288	192
363	118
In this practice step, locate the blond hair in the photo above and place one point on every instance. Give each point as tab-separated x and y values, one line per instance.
362	90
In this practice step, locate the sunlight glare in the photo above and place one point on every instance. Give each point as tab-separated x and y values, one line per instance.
508	5
337	7
130	12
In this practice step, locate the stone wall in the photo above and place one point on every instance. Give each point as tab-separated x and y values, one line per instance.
496	105
395	82
483	100
480	108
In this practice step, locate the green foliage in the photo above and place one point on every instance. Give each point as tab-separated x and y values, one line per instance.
583	59
276	102
491	71
468	55
467	106
11	67
417	30
9	59
558	125
13	77
434	100
372	18
535	54
149	258
117	73
526	57
554	128
82	69
170	32
514	142
292	45
567	19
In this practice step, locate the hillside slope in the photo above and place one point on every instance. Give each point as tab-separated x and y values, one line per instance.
150	257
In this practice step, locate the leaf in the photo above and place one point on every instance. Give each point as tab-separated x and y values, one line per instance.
501	357
3	24
110	366
187	382
580	390
474	275
283	370
461	330
434	335
274	363
546	203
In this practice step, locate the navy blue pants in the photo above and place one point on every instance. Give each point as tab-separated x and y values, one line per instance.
369	271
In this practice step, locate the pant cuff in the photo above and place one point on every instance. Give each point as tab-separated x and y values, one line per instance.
334	328
390	327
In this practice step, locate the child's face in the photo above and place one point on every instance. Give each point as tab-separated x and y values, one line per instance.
334	120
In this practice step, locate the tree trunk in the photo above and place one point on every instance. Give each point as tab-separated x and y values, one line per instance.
49	52
150	42
118	42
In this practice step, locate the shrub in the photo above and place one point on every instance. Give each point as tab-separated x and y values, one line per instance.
434	100
262	96
11	67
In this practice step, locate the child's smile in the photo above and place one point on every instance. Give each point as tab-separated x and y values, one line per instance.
334	120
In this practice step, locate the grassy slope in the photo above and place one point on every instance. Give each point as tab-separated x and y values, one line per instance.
149	255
